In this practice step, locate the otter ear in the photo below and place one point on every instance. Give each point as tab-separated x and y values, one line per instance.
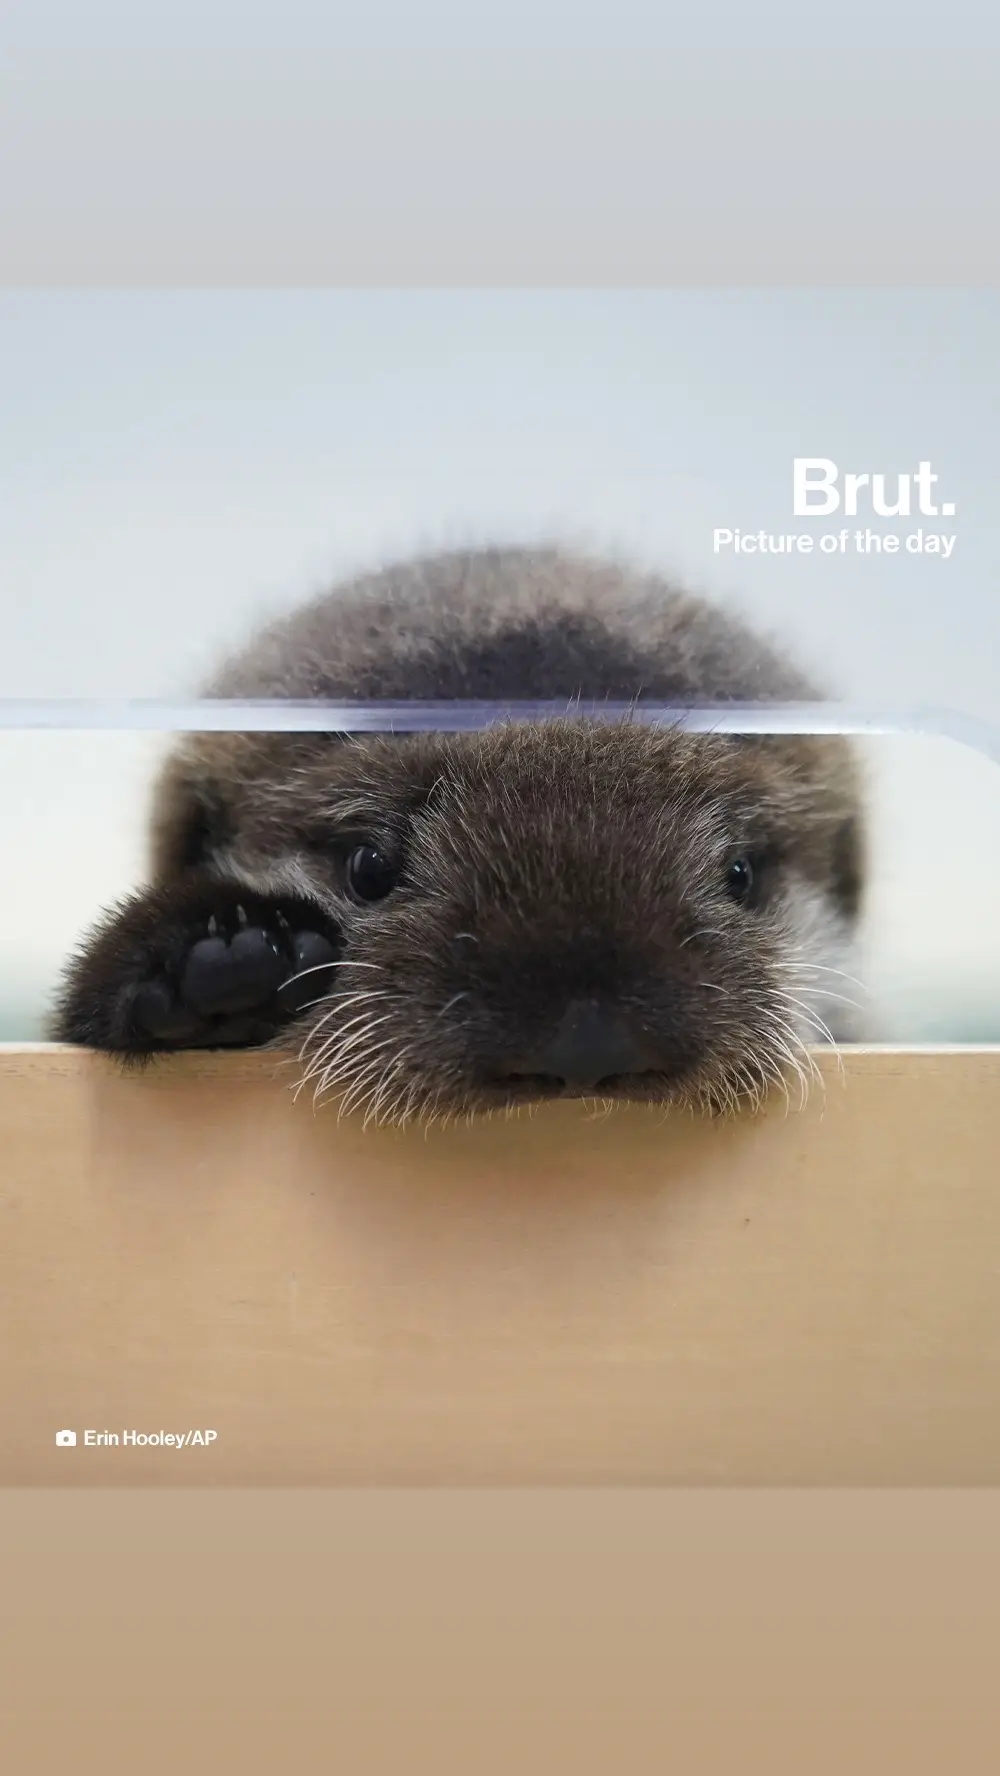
195	837
191	821
847	867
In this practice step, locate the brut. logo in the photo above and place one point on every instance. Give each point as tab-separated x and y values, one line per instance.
816	491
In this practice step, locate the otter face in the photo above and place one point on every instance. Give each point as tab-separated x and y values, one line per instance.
609	912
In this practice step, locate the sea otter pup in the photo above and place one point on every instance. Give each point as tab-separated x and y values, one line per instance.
455	922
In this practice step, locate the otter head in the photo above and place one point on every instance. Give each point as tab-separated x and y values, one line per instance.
560	909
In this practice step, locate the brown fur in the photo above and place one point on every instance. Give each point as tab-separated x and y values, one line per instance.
538	863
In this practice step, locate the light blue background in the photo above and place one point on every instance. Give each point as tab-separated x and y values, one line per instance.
175	465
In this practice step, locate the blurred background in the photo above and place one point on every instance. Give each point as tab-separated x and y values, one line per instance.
177	466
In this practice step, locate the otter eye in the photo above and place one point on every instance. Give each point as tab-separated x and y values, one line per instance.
370	875
739	880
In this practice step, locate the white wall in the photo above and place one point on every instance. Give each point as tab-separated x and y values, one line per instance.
174	466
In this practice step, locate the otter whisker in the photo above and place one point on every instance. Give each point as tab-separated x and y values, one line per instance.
812	1015
334	1036
705	931
321	968
340	1029
350	1035
456	1000
389	1079
382	1059
322	1063
802	1016
785	1041
338	1071
348	1092
826	993
819	968
342	1004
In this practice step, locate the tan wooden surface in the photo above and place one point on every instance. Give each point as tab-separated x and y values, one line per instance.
807	1298
481	1633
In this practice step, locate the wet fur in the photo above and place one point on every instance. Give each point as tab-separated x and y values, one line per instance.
539	862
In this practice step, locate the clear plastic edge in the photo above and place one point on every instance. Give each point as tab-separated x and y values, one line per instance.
322	716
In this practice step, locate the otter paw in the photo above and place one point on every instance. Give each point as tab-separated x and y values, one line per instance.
237	983
196	965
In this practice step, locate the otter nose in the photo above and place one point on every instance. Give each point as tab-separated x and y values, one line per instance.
590	1047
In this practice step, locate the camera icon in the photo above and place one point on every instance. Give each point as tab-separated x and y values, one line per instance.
65	1439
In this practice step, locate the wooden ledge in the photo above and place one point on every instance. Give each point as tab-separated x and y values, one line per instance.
810	1298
